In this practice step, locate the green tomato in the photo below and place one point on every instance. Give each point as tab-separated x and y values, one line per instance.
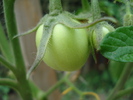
68	48
97	38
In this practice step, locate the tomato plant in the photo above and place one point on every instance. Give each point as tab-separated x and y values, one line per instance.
64	42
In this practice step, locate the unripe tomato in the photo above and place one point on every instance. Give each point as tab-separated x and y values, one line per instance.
99	33
67	50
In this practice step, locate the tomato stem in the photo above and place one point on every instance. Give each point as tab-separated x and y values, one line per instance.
85	5
5	47
124	76
95	10
7	64
20	72
92	94
12	30
128	9
9	82
47	93
55	7
72	86
123	93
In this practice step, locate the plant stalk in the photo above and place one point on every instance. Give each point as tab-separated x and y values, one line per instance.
85	5
5	46
47	93
123	93
119	85
12	31
73	87
128	9
9	82
55	7
24	88
7	64
95	10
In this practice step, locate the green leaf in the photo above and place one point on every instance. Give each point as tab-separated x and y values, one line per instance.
5	46
118	45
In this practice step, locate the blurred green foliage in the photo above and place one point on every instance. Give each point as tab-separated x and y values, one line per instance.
4	92
3	89
114	9
95	80
98	82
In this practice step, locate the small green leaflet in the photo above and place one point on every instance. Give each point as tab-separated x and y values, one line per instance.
118	45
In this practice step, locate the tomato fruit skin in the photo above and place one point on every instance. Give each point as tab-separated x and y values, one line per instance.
97	39
67	50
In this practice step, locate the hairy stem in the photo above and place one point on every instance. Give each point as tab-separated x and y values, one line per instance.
55	7
24	88
12	31
128	9
95	9
85	5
